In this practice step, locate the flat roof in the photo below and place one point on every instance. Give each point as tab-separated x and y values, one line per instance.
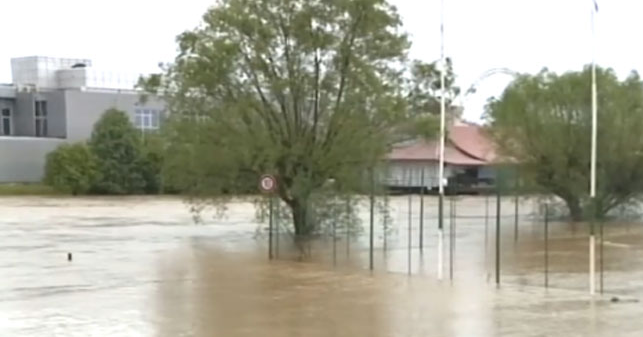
9	90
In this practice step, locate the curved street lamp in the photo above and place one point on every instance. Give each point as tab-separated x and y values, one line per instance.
488	73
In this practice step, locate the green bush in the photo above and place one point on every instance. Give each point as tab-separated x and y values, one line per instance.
71	168
116	144
117	160
29	189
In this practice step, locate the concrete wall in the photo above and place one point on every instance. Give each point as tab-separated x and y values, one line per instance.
22	159
85	108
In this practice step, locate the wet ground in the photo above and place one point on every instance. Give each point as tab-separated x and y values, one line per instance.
142	268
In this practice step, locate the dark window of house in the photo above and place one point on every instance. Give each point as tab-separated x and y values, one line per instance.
471	172
6	122
41	118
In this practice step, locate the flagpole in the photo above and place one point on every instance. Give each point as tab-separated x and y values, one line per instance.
442	136
592	188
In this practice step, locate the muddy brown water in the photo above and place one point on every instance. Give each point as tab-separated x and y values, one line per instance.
142	268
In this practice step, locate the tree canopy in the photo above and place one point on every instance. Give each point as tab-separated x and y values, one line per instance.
307	90
543	122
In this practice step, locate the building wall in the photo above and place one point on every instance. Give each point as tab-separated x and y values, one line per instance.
72	109
71	115
11	105
85	108
7	103
409	174
487	172
23	115
56	113
22	159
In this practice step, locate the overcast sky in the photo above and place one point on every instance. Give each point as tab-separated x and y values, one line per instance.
521	35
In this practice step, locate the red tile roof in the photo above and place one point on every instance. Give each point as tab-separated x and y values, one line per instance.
467	145
429	151
470	139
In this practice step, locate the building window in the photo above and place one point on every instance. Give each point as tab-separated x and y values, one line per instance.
5	122
147	119
41	118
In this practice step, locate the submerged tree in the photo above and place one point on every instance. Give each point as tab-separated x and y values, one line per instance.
307	90
544	123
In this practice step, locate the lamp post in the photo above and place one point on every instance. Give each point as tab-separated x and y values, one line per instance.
442	136
592	183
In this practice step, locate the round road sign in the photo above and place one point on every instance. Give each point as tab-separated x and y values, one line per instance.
268	183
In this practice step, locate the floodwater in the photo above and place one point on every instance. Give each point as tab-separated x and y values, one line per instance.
142	268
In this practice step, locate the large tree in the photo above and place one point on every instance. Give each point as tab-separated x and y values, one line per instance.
543	122
308	90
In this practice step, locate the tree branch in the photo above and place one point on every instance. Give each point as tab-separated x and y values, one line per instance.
347	43
257	85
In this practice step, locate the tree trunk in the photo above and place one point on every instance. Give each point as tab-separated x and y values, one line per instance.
299	208
302	222
575	208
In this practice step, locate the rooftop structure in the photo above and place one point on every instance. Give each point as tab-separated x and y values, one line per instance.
47	73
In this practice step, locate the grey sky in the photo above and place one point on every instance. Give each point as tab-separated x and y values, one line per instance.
522	35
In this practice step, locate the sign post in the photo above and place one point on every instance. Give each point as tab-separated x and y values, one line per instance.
268	185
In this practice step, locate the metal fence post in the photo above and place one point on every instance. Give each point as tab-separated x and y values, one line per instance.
410	239
422	211
372	209
516	206
335	241
601	254
546	245
348	227
486	234
270	224
451	236
498	233
276	223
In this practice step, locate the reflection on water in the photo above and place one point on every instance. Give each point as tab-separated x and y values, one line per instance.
141	269
244	296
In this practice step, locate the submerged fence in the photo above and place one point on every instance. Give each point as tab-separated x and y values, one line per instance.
522	244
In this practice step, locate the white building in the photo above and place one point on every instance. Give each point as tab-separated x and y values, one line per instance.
53	101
